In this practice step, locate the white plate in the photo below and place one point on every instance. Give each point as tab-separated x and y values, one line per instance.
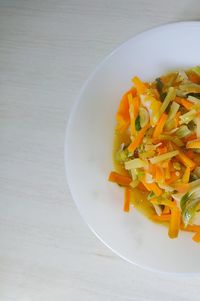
89	142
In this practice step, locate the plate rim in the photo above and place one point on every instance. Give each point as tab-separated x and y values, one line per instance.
68	130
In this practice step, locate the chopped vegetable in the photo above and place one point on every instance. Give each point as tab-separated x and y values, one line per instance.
132	115
193	144
174	224
161	218
127	199
169	97
186	175
159	127
144	117
172	113
137	124
183	131
152	187
158	153
185	103
122	116
196	237
135	163
119	179
136	142
187	117
140	86
189	204
196	70
185	160
163	157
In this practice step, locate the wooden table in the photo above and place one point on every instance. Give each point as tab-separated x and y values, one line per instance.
47	50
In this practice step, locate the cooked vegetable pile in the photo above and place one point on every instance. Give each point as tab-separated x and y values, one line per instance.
158	124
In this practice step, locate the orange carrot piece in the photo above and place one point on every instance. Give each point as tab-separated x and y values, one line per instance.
190	154
136	105
152	170
186	175
141	187
127	199
167	173
159	127
178	114
160	175
193	77
131	114
166	210
162	150
185	160
122	115
161	218
119	179
173	178
182	101
181	187
196	237
193	144
152	187
174	224
166	165
187	104
136	142
190	228
178	100
140	86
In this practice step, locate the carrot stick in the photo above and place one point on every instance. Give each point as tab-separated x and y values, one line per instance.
174	224
136	142
122	115
193	77
186	161
190	228
119	179
173	178
140	86
181	187
132	115
127	199
196	237
182	101
166	166
160	176
166	210
187	104
190	154
186	175
141	187
152	170
136	103
161	218
159	127
162	150
178	114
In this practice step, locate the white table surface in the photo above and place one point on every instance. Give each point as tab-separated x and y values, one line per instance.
47	50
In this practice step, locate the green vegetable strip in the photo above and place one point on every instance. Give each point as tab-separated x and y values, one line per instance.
170	97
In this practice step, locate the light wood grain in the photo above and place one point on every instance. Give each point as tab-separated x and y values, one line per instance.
47	50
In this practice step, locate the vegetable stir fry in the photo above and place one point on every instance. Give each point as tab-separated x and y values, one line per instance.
158	127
